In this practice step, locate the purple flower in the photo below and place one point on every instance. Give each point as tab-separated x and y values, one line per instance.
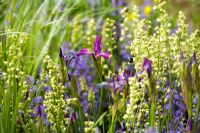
61	55
147	66
67	59
38	99
29	80
97	45
83	51
73	116
44	119
46	89
96	50
128	73
38	110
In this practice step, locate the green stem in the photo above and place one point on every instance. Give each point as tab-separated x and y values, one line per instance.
196	115
94	112
152	101
152	113
98	67
112	125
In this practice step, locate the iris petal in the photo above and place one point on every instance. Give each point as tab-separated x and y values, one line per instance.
105	55
83	52
97	45
147	66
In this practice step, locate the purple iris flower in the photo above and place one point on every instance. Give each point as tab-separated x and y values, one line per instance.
147	66
67	59
96	50
127	74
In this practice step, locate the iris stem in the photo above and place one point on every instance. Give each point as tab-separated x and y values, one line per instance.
152	102
98	67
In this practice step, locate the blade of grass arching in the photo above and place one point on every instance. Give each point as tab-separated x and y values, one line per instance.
13	2
35	25
53	32
21	15
59	44
54	10
40	11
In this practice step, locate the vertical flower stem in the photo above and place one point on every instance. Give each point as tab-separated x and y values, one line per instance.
152	102
196	115
94	112
97	65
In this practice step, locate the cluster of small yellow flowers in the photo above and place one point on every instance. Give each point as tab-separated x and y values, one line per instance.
77	32
141	116
108	35
180	45
141	45
182	34
21	38
194	40
91	96
133	108
14	75
90	33
147	10
55	105
72	101
83	84
131	18
163	55
107	72
89	127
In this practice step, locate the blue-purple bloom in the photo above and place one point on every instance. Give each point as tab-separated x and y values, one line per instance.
46	89
73	116
67	59
147	66
96	50
38	110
